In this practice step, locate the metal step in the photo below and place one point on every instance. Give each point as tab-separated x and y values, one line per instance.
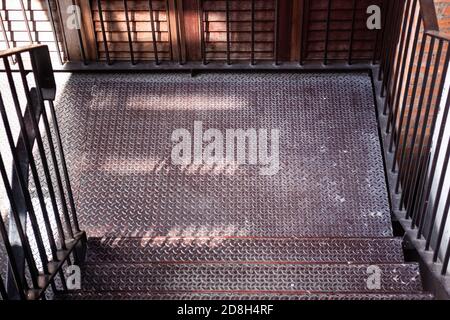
251	277
84	295
319	250
201	232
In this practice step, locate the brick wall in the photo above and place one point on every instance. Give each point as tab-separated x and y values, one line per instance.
443	8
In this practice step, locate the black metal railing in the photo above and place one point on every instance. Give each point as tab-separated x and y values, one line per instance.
36	257
33	34
117	25
409	60
414	109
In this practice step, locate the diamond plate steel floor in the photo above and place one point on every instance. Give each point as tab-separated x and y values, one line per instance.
243	297
246	268
182	250
331	180
245	277
198	232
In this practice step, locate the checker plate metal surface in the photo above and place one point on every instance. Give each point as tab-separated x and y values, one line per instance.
234	296
254	277
137	250
331	180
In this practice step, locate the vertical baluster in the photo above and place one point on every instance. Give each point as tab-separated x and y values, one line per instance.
379	34
130	39
227	5
3	293
26	253
401	148
303	32
424	199
415	218
54	31
51	145
79	33
54	159
446	260
5	35
169	29
95	40
26	21
64	167
420	108
154	39
102	27
442	226
201	30
327	33
352	33
277	32
178	26
27	144
393	41
406	93
25	193
253	32
19	281
41	150
411	54
389	102
63	32
413	169
437	199
385	41
421	188
18	276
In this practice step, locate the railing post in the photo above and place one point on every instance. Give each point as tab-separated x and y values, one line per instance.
304	32
43	266
80	42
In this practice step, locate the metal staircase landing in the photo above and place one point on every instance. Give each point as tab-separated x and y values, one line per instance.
318	229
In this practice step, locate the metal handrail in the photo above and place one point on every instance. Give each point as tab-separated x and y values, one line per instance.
430	20
411	88
429	15
438	34
67	242
19	50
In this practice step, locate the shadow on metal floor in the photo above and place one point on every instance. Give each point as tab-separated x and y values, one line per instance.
313	229
330	181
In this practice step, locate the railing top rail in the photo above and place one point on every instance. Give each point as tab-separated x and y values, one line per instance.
13	51
429	15
439	35
430	20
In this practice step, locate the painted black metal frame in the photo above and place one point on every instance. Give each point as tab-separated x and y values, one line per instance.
408	70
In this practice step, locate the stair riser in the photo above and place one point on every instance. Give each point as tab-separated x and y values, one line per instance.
242	297
135	250
250	277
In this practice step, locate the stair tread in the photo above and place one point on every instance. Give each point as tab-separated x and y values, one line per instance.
145	295
320	250
279	277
